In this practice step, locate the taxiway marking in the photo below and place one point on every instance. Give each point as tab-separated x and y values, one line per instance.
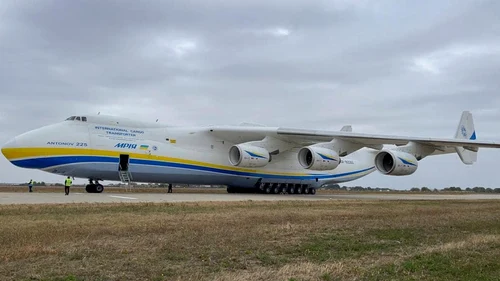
122	197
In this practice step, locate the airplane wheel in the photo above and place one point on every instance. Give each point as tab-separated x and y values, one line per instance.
276	190
90	188
268	190
312	190
230	189
99	188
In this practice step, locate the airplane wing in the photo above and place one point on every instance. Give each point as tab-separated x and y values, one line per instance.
465	140
304	136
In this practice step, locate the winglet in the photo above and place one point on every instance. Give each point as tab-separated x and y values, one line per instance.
466	131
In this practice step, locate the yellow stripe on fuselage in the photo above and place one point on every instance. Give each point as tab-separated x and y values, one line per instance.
13	154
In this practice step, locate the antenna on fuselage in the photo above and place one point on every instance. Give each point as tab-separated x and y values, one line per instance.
156	120
98	113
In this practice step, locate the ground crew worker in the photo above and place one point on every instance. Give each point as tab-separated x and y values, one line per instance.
169	188
67	184
30	185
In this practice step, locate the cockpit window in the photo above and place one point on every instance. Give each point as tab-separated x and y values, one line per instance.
79	118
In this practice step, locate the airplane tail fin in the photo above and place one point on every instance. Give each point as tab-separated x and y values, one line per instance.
466	131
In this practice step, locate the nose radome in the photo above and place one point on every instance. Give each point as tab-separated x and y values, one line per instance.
10	144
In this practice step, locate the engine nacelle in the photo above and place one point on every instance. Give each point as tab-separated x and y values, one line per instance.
244	155
318	158
395	163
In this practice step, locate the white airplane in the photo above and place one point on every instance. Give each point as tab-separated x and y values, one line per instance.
245	158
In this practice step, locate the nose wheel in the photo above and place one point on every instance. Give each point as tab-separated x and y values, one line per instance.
94	187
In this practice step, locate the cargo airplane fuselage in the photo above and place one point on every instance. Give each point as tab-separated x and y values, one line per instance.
111	148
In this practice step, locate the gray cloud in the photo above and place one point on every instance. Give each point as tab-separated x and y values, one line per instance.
390	67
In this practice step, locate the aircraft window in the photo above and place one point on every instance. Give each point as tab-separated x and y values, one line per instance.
84	119
71	118
78	118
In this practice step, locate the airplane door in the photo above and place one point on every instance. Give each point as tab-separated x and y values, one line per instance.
124	161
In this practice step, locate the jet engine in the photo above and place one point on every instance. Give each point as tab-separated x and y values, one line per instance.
318	158
395	163
244	155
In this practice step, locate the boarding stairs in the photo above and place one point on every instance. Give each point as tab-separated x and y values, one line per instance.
125	177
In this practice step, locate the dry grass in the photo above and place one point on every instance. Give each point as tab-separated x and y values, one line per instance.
320	240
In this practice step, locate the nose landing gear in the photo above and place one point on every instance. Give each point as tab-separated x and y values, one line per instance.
94	187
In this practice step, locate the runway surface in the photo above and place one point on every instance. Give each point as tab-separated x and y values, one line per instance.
75	197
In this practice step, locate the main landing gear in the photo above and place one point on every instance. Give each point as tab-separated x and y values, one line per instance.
94	187
275	188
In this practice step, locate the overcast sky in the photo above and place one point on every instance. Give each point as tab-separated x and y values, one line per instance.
388	67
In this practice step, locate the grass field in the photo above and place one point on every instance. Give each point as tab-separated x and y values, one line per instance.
320	240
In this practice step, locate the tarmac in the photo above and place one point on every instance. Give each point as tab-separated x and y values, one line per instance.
7	198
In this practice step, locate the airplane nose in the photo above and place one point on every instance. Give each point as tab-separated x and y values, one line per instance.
10	144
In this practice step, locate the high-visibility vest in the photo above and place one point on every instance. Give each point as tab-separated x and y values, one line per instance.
67	182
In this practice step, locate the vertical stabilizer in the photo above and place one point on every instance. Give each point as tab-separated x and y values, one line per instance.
466	131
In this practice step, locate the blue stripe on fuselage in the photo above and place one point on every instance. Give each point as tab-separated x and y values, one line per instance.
47	162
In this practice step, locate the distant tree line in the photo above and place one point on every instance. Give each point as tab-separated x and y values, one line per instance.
35	183
353	188
476	189
423	189
414	189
